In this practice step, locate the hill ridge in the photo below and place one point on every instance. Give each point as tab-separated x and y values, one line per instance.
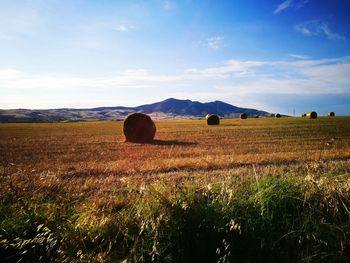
170	108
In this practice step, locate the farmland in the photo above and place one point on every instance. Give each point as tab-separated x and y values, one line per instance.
255	190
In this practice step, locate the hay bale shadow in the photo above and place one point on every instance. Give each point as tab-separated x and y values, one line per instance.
171	142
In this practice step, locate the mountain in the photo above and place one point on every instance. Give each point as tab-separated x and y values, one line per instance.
167	109
198	109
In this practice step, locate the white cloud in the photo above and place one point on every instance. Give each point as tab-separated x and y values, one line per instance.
302	28
317	27
214	42
280	86
334	70
330	34
123	27
103	25
283	6
298	56
289	4
9	73
234	79
231	67
135	78
329	73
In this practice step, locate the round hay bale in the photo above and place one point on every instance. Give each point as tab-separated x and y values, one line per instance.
331	114
277	115
213	119
311	115
139	127
243	116
303	115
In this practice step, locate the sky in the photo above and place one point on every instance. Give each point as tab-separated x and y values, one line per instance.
286	56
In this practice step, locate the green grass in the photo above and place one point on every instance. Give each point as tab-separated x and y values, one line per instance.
233	220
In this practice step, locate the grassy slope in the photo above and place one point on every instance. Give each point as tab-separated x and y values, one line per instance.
247	190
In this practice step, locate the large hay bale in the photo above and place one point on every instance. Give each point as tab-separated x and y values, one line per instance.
331	114
212	119
243	116
277	115
139	127
311	115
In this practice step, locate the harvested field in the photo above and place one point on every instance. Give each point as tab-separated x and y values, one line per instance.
84	176
99	147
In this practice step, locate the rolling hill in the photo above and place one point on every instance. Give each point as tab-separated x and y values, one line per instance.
168	109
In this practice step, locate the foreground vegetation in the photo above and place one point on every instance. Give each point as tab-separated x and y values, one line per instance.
258	190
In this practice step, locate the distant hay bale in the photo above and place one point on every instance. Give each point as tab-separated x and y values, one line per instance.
243	116
139	127
331	114
311	115
212	119
277	115
303	115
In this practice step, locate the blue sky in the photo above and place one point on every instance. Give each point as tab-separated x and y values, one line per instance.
276	55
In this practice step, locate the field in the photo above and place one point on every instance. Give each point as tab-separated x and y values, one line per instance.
255	190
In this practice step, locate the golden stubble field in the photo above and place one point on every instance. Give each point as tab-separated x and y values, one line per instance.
276	189
95	152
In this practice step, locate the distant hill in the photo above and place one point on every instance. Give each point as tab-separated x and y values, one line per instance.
167	109
198	109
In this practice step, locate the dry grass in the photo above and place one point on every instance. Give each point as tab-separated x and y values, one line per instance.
99	146
94	154
89	168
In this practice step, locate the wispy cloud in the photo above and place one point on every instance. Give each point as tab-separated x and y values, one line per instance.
9	73
330	34
283	6
243	83
235	68
103	26
298	56
245	75
124	27
214	42
290	4
317	27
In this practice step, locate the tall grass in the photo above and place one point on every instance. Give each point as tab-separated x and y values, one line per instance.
263	219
